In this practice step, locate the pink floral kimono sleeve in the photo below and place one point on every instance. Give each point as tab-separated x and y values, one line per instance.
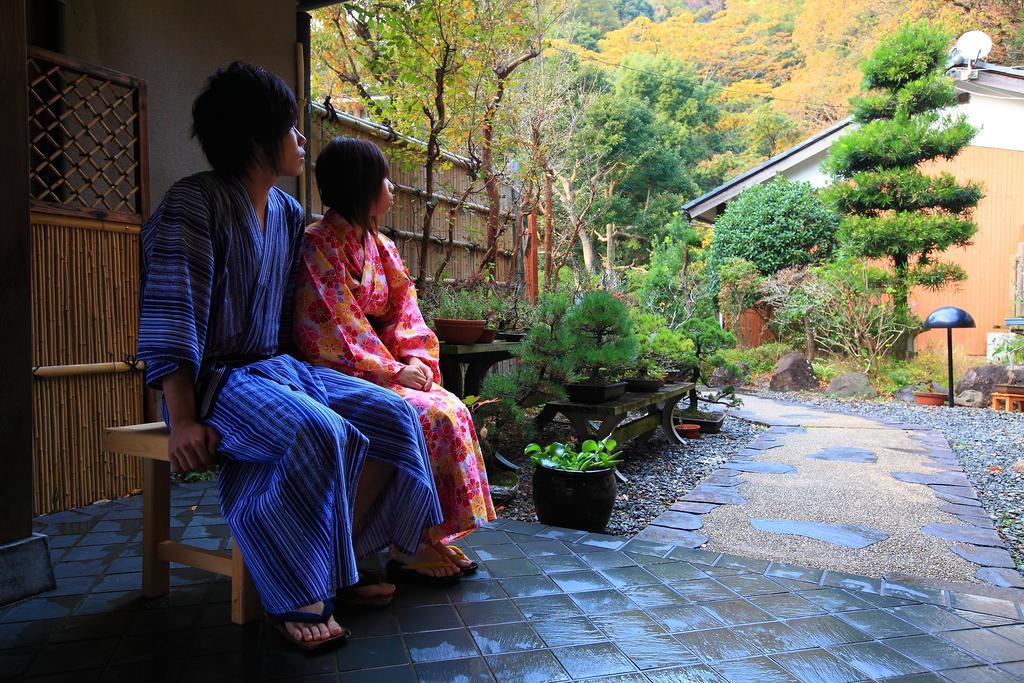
403	329
330	328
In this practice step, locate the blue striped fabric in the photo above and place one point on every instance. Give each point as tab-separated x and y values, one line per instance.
285	486
293	437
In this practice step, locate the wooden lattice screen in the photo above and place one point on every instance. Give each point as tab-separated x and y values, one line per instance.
404	222
89	187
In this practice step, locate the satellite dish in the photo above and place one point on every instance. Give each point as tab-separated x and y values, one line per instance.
974	45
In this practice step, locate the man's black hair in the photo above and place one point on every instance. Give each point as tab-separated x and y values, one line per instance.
349	174
241	116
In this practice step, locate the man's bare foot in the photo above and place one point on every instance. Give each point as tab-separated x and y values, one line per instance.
312	633
428	553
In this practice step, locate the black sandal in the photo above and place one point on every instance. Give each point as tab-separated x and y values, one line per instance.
278	621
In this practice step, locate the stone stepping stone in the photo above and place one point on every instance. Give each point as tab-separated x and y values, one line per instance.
988	557
1003	578
957	500
844	454
678	520
760	467
695	508
847	535
968	510
721	495
933	478
723	480
661	534
964	534
977	520
962	491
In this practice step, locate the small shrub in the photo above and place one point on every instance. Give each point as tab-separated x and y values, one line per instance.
761	359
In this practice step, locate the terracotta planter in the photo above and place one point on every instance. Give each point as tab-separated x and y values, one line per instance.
1012	389
644	385
595	393
487	336
688	431
577	500
927	398
458	331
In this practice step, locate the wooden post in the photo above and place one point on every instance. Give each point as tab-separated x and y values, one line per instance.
530	267
156	526
245	601
15	281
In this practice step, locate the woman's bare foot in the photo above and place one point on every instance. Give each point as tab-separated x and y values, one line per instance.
374	591
311	633
459	561
428	553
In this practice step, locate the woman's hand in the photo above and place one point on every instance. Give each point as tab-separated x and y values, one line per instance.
415	375
192	447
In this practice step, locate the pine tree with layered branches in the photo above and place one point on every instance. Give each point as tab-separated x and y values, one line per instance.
893	210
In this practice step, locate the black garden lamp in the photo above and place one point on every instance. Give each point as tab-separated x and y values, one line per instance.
949	317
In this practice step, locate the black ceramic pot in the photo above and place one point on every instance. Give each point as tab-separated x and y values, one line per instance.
595	393
645	386
707	425
511	336
577	500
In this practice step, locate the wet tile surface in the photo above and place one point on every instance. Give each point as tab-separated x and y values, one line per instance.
549	604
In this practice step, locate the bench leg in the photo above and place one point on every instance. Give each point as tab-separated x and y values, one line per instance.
156	526
668	424
245	601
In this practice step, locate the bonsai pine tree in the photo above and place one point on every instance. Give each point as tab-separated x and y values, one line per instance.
708	339
602	336
891	209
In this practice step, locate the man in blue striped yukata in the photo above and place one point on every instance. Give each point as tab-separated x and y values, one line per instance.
317	469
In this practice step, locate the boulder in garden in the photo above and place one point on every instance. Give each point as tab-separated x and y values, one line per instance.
793	373
852	385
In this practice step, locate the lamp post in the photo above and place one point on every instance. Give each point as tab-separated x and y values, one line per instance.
949	317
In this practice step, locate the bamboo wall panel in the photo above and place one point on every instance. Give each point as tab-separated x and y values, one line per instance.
404	222
69	414
85	288
990	260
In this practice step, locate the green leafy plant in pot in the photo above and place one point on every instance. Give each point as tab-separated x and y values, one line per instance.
575	489
604	347
460	314
660	349
708	339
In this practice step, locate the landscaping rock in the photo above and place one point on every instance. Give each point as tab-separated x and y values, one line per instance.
848	535
971	399
736	377
793	373
852	385
906	394
984	378
1018	467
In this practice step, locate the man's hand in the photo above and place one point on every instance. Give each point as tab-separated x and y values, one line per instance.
192	447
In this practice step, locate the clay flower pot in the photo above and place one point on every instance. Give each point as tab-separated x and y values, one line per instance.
927	398
487	336
458	331
688	431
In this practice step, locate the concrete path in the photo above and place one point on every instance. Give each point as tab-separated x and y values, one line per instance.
845	494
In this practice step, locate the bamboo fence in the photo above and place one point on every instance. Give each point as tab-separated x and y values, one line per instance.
404	223
87	142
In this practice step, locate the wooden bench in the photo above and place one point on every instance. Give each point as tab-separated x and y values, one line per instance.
1011	402
149	442
660	405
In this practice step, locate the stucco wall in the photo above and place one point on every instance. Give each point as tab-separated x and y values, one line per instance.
173	45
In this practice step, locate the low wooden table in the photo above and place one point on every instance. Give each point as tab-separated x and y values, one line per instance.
659	405
477	359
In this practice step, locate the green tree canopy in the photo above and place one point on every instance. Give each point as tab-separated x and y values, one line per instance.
776	225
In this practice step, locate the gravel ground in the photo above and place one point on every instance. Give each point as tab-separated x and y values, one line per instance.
986	442
659	474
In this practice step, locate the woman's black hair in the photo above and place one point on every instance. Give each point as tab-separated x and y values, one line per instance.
349	173
243	110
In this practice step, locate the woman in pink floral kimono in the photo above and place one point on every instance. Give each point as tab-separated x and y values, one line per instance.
356	311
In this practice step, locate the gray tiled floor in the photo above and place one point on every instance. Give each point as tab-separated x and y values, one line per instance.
547	605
